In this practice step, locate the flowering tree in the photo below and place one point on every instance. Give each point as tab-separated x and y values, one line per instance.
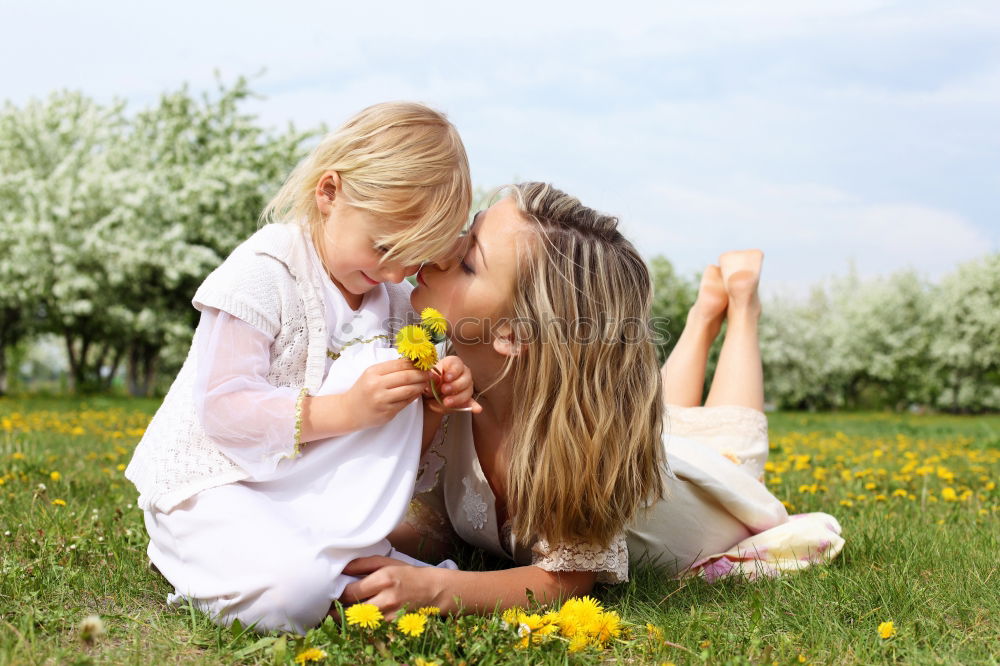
200	173
964	327
113	220
58	165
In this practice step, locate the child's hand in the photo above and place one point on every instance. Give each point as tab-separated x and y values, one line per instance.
455	387
383	390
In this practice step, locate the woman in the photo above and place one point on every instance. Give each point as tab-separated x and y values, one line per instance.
548	305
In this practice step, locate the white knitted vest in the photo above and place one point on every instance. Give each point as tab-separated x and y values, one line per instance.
269	283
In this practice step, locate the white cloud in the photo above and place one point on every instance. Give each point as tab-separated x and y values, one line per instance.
807	231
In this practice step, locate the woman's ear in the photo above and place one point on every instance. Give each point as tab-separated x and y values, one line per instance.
327	190
506	342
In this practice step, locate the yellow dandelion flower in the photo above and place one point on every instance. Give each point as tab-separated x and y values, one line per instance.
414	343
364	615
887	630
310	654
579	643
654	632
948	494
530	623
433	321
121	467
59	502
17	455
412	624
55	476
429	610
512	617
578	614
547	629
607	626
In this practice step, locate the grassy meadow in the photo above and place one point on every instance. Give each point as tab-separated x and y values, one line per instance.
916	495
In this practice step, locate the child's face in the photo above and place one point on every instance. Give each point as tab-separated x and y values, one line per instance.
351	253
474	290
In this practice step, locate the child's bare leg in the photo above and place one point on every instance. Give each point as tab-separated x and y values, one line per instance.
739	376
684	371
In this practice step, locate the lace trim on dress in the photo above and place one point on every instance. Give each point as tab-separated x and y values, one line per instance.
431	463
721	419
611	563
356	341
297	450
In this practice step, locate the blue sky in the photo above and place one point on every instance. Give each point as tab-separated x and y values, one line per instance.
826	133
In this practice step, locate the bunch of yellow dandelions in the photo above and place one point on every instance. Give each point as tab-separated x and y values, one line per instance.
581	623
581	620
416	342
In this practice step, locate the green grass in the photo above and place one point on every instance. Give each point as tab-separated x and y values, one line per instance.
915	558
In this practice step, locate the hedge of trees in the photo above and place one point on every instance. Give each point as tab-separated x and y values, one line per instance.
109	220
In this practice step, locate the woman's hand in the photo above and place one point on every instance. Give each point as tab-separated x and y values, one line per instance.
391	584
455	387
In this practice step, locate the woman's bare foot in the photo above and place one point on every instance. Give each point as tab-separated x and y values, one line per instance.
741	276
710	305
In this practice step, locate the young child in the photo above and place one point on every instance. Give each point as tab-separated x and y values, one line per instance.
289	441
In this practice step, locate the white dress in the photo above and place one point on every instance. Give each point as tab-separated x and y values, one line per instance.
270	550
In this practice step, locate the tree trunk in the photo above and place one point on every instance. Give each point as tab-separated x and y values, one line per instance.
74	362
114	368
142	363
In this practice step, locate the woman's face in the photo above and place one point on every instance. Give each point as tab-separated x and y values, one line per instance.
474	290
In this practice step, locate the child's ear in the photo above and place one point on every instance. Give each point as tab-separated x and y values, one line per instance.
327	190
505	341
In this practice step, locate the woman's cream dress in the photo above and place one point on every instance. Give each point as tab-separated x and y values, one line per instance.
716	519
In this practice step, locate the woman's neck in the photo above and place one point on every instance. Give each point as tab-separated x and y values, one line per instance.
498	397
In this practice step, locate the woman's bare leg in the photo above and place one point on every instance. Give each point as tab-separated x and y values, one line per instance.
739	376
684	371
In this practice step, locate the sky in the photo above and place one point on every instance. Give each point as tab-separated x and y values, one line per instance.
855	133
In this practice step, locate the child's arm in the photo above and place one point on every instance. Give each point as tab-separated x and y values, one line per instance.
456	392
389	584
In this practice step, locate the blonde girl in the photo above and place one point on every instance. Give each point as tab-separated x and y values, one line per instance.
288	443
571	469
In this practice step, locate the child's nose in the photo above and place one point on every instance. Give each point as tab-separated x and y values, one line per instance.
396	272
454	255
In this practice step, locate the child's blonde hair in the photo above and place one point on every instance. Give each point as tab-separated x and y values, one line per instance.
585	452
401	161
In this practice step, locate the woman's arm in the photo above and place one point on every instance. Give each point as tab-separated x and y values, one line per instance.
407	539
390	584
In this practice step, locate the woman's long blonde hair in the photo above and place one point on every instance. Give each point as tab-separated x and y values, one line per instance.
585	452
403	162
